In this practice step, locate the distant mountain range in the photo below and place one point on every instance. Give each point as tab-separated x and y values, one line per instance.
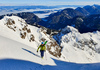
85	19
89	10
37	6
29	17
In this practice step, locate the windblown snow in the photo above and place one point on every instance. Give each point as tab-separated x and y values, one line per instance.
19	42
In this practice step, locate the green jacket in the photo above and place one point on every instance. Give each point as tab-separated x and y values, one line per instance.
42	48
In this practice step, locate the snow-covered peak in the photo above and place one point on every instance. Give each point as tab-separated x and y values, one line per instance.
93	7
85	46
14	19
68	29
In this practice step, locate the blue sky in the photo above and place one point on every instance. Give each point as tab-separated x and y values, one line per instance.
49	2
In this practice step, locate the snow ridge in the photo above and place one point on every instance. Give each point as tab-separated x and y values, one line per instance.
84	46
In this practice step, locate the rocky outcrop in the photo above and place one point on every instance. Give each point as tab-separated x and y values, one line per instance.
24	30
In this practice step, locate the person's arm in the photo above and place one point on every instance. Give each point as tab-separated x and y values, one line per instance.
38	48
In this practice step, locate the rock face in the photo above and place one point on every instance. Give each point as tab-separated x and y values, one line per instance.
31	34
52	46
72	42
24	30
82	10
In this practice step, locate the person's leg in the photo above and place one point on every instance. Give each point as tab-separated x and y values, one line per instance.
42	54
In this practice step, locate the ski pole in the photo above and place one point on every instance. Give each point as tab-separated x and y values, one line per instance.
45	56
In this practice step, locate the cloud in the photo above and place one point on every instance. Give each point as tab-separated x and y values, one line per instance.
75	3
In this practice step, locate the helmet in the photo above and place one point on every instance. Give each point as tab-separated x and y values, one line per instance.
42	43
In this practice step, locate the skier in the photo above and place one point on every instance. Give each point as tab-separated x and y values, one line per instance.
42	49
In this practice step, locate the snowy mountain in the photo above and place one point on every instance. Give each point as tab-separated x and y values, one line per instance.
17	29
77	47
89	10
17	56
19	42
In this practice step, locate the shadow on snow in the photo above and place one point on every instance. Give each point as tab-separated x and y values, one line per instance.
30	52
14	64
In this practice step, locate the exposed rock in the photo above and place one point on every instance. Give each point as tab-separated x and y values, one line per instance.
28	31
31	38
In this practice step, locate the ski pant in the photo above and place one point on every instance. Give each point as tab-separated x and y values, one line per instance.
42	53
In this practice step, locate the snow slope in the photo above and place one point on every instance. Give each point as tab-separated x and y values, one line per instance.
18	56
17	29
11	49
